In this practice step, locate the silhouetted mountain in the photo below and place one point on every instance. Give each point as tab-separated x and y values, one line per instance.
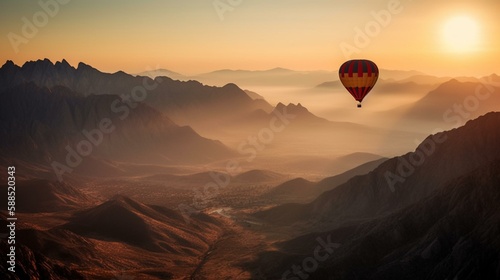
300	112
41	123
163	73
184	102
403	180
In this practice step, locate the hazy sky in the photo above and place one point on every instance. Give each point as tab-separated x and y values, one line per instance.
190	37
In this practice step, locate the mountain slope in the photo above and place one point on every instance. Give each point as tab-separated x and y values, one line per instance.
155	228
403	180
452	234
43	124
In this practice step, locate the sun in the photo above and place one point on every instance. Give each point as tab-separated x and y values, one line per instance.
461	34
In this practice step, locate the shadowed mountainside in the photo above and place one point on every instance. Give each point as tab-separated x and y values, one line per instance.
451	234
401	181
42	124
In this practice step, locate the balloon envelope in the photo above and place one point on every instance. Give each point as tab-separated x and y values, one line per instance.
358	77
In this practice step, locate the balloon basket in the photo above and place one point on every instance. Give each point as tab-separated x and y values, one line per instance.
359	105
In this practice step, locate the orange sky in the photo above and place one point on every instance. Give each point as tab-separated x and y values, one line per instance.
191	37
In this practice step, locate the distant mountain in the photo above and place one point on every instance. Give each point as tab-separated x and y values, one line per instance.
330	84
163	73
300	190
454	102
398	75
295	190
302	115
256	176
40	124
272	77
388	86
281	77
433	80
401	181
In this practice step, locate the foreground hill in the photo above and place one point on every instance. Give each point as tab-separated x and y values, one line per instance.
152	228
118	237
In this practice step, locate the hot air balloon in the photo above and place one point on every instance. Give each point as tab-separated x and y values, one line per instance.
358	77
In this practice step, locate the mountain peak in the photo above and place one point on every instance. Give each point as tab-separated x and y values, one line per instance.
37	63
82	65
9	64
280	105
231	86
63	64
280	69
